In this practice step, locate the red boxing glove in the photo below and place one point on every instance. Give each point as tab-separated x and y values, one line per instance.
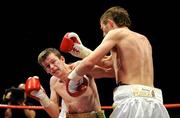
32	84
34	89
71	43
68	41
77	88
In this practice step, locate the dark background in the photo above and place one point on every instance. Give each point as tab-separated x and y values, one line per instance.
29	27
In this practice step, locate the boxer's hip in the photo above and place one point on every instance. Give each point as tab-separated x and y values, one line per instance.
93	114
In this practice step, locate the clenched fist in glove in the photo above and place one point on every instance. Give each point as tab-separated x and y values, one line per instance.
33	89
71	43
76	88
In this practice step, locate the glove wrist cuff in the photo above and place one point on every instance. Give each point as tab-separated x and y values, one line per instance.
80	51
41	97
45	101
74	76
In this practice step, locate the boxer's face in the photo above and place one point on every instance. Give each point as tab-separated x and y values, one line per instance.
53	65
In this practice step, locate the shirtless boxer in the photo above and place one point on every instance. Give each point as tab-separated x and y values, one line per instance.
131	57
83	103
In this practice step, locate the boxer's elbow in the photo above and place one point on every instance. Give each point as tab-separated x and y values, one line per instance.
54	115
53	111
88	65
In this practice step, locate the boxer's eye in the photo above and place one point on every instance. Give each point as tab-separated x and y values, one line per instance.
47	67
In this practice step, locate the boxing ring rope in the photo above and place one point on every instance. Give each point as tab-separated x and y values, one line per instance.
168	106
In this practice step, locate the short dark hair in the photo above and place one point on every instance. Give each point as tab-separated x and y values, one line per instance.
43	55
118	14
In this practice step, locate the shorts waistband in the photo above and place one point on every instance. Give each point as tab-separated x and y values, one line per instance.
121	84
93	114
137	90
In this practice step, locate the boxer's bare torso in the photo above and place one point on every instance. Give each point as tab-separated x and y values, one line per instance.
87	102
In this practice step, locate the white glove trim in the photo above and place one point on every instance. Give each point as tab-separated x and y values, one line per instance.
73	34
43	98
74	76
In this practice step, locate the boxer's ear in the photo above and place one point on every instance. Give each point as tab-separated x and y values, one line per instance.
111	23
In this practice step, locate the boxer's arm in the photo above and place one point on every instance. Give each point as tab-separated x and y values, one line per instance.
106	62
8	113
99	72
53	108
95	57
30	113
33	89
71	43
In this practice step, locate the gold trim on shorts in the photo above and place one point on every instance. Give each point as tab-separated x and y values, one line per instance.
143	91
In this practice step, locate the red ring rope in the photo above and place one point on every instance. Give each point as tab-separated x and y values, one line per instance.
168	106
20	107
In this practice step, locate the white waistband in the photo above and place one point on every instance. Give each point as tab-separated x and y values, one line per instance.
137	90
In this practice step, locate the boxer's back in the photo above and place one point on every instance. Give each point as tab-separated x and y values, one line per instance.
132	59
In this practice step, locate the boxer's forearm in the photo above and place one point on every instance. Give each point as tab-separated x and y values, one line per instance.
52	110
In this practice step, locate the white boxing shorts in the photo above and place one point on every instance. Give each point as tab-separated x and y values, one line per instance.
63	112
138	101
